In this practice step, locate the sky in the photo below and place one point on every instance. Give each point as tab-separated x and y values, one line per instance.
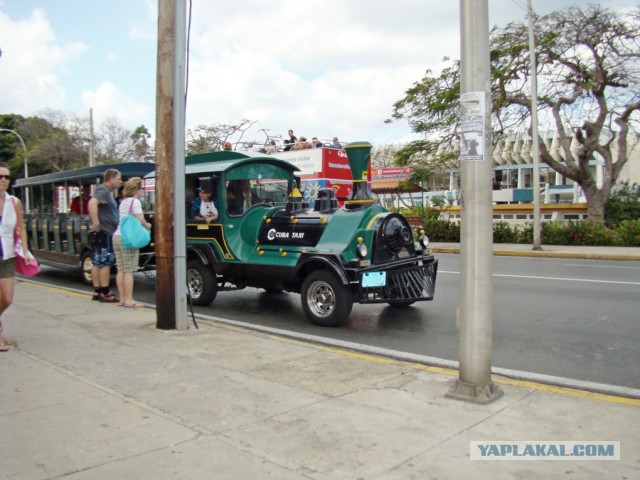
322	68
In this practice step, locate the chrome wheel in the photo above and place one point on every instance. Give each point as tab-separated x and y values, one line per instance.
325	300
321	298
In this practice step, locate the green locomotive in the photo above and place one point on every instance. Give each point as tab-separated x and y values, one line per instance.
268	237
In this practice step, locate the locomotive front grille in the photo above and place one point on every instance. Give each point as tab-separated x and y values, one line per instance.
402	285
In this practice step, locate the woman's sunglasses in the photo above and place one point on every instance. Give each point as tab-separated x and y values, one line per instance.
5	177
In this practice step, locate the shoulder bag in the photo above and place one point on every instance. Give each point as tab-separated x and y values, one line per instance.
134	235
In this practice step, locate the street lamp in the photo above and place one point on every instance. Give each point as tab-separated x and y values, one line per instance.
26	167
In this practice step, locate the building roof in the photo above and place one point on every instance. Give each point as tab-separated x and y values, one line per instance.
390	185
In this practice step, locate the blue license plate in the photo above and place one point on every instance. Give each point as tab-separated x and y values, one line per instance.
374	279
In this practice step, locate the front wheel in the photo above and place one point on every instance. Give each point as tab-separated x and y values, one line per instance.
325	300
202	283
86	264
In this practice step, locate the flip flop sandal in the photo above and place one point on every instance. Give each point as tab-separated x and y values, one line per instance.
132	305
4	347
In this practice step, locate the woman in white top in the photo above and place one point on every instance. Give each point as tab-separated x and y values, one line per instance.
10	223
127	258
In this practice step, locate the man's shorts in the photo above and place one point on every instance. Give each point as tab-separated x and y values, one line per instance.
102	253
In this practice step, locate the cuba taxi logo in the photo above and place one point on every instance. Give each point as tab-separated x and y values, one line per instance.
274	234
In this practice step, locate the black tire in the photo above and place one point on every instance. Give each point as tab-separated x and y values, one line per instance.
202	283
401	303
325	300
86	264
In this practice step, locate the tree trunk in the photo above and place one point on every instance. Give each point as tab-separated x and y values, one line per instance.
596	203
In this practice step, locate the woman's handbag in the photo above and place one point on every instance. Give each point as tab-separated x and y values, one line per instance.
22	268
134	235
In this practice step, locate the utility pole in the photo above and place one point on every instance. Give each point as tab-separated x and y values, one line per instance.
170	305
476	253
535	152
92	141
179	214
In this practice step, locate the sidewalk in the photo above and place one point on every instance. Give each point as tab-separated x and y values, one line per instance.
549	251
94	391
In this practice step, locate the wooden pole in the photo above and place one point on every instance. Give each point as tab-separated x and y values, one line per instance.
165	287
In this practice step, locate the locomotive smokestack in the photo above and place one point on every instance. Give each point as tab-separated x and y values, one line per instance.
359	154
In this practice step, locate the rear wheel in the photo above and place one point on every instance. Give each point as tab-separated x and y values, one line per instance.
202	283
86	264
325	300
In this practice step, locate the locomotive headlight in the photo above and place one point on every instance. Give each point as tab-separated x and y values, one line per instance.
424	241
361	249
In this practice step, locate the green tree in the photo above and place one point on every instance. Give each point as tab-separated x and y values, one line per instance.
589	93
56	142
140	138
11	150
211	138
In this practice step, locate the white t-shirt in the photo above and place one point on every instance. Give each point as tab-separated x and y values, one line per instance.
124	210
208	209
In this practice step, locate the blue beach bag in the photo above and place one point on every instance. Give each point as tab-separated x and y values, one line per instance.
134	235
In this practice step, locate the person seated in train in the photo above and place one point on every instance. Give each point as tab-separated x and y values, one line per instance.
195	204
207	211
240	197
80	203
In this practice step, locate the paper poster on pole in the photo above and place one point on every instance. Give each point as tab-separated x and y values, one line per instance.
472	126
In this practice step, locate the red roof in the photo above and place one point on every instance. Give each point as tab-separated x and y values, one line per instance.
390	185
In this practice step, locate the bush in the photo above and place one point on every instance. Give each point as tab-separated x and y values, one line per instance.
589	233
553	233
624	204
629	233
442	231
504	232
426	213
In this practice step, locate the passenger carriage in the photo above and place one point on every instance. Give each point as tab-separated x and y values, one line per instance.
57	237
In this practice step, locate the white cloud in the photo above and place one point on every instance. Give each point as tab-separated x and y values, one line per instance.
325	71
33	65
322	68
108	101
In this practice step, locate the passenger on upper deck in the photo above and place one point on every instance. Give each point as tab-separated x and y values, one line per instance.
303	144
228	146
290	142
315	143
336	143
272	148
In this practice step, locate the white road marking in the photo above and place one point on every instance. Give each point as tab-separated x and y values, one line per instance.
561	279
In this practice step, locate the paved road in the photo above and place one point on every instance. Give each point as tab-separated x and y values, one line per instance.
562	317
